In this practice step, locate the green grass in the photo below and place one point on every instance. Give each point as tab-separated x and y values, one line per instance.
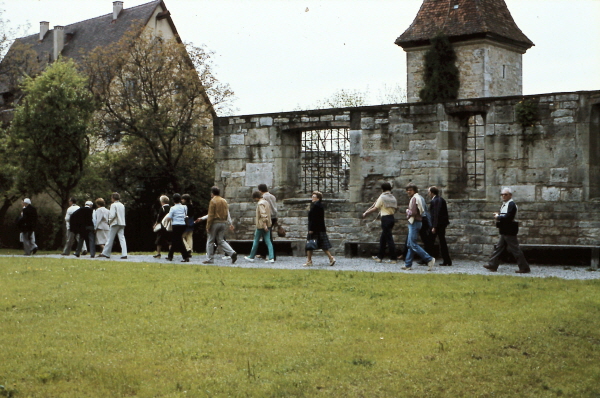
114	329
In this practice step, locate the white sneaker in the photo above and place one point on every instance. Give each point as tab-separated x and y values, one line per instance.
431	264
377	259
270	261
225	258
249	259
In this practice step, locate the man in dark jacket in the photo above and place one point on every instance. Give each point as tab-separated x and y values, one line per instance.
26	224
82	224
508	228
438	211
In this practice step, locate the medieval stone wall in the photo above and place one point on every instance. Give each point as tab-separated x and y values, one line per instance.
487	69
553	167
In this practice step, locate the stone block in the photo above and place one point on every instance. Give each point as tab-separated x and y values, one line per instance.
367	123
569	105
562	113
567	97
571	195
259	173
422	145
564	120
345	118
381	121
523	193
559	174
236	139
258	136
551	194
265	121
355	142
326	118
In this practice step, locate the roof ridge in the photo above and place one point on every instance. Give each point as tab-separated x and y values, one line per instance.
98	17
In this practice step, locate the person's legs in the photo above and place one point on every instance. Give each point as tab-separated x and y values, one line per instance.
210	243
257	235
28	244
267	239
188	241
413	246
80	242
441	234
177	241
220	238
91	241
494	260
412	236
112	234
512	244
122	242
389	236
69	244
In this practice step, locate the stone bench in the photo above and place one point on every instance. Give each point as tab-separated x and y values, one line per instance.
562	254
282	247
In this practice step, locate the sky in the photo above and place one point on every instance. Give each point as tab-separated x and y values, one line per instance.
280	55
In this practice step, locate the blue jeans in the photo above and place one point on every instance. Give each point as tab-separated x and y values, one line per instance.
413	246
266	235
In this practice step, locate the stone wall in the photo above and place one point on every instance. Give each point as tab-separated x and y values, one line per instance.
553	167
487	69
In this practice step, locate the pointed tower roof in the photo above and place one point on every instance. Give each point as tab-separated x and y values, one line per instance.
464	20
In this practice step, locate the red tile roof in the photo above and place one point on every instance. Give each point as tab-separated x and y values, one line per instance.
463	20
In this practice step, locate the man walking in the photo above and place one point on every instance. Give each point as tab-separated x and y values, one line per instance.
82	223
216	224
387	205
438	212
71	236
413	214
116	221
26	224
508	228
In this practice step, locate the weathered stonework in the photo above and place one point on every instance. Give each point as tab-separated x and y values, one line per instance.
486	69
553	168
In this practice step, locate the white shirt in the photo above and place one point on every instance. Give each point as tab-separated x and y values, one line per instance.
72	209
117	214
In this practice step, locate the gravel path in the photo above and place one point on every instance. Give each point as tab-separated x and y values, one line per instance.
359	265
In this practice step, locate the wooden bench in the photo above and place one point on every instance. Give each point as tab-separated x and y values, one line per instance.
281	247
562	254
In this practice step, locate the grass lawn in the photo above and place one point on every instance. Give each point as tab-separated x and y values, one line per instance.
113	329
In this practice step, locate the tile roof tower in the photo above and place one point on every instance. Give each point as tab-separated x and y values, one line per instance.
488	44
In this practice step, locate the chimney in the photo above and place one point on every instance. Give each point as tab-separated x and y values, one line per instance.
59	40
44	27
117	7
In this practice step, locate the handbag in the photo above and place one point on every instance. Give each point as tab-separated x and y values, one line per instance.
281	231
157	227
167	223
311	243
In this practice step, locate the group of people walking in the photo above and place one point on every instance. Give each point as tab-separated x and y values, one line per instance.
174	227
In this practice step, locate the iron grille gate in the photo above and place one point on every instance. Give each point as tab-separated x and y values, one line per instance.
475	154
325	160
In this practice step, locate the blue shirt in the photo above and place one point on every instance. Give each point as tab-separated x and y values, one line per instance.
177	214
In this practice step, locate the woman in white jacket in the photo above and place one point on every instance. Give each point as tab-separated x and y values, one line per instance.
101	223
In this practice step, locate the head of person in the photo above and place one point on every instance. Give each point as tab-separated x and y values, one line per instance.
316	196
100	202
186	199
433	191
411	189
164	199
215	191
89	203
386	187
26	202
176	198
506	194
73	201
263	188
115	197
257	195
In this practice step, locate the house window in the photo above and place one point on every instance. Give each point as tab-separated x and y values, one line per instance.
325	160
475	153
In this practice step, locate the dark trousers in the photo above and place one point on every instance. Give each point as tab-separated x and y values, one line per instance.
440	233
426	238
510	243
89	237
177	241
387	239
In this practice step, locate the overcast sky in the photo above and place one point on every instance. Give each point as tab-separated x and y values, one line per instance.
278	54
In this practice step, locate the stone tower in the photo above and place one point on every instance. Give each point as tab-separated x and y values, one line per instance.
489	46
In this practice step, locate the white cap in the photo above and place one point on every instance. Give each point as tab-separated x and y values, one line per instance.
27	200
89	203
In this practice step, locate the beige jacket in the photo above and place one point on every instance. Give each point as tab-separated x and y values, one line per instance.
263	214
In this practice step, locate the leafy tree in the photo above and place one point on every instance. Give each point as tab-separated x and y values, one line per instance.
49	135
441	74
155	111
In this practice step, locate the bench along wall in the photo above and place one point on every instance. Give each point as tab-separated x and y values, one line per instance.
470	149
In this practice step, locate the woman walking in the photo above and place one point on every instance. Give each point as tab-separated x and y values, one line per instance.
101	223
263	223
188	235
317	230
162	235
177	214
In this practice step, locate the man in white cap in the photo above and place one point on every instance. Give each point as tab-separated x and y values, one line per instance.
82	223
27	223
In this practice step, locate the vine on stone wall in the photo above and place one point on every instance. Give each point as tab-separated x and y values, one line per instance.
527	113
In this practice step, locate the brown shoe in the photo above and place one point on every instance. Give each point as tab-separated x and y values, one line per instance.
490	268
522	271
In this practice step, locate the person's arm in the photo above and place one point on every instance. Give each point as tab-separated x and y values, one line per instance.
211	215
376	206
510	214
112	213
263	216
434	211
